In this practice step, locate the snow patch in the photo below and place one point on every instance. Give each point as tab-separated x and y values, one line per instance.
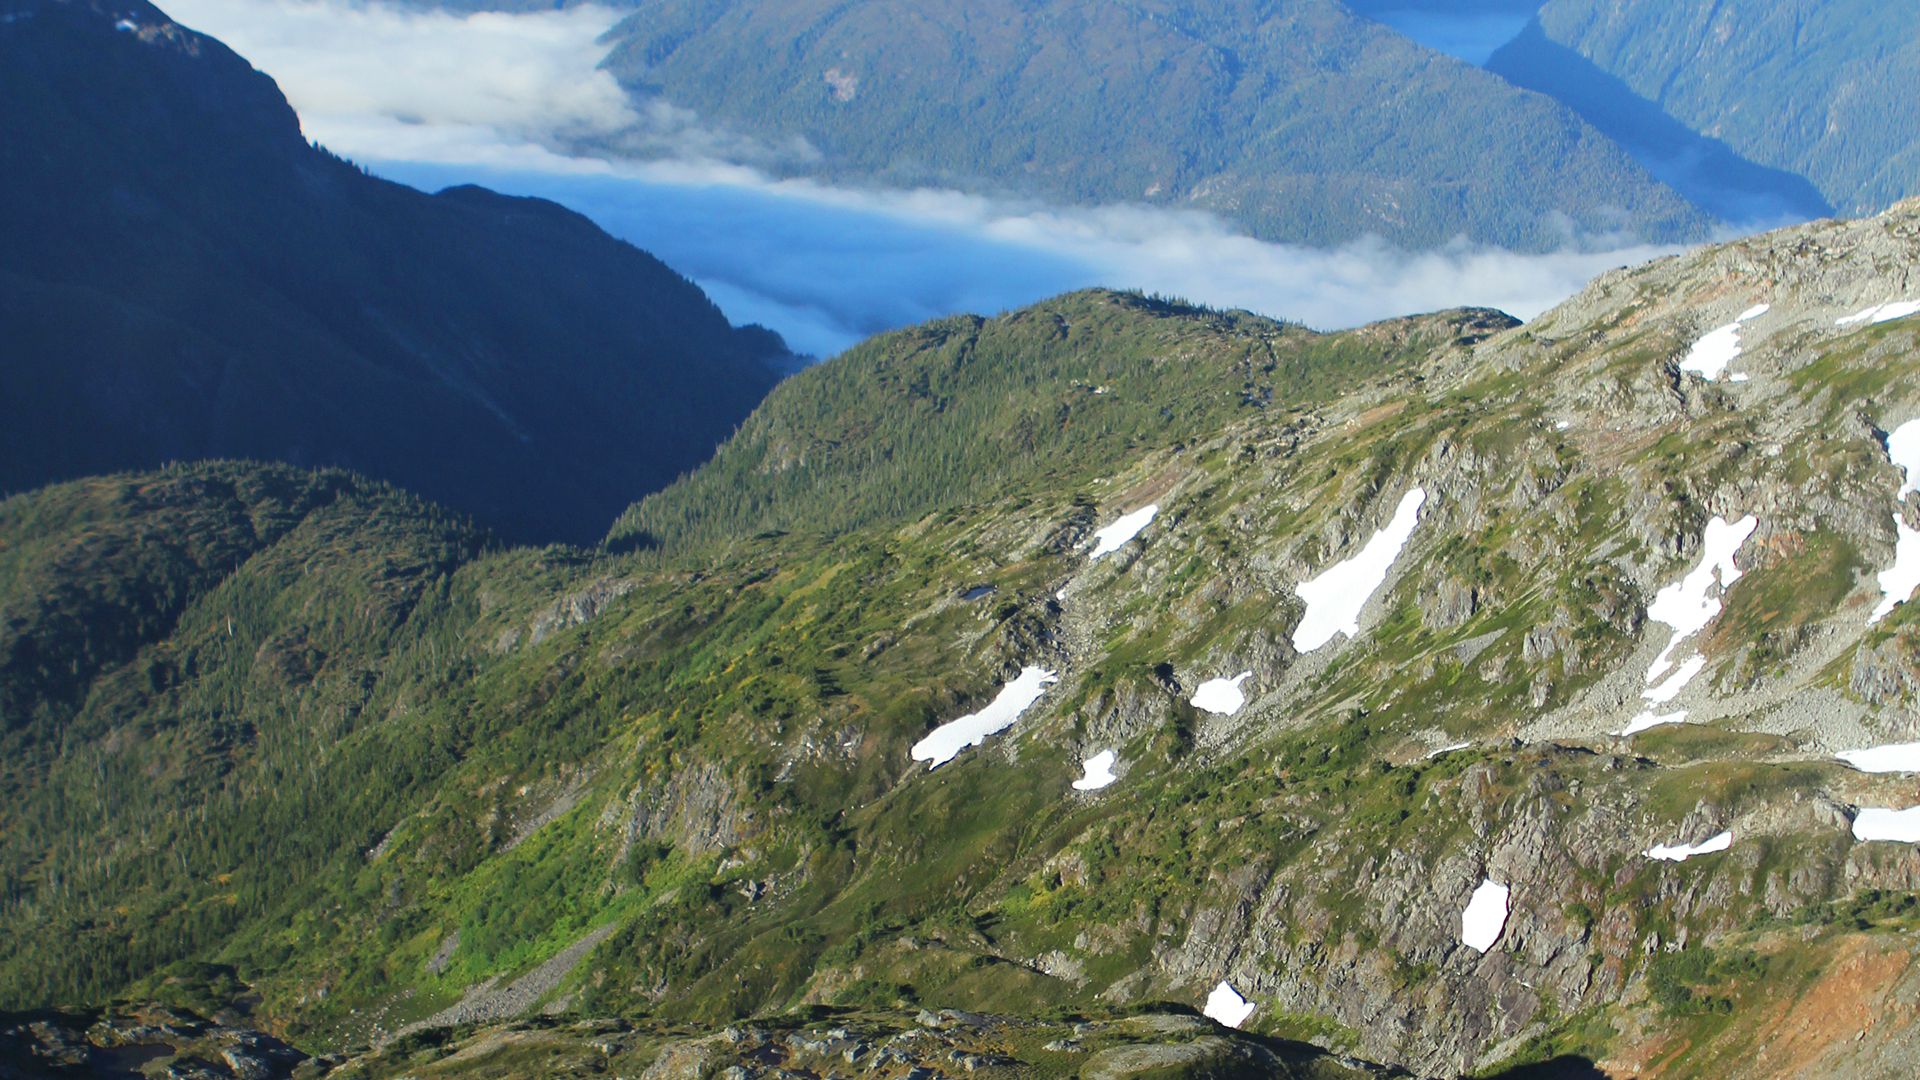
1683	852
1676	682
1898	309
1893	757
940	745
1485	917
1448	749
1685	605
1738	378
1880	823
126	25
1898	581
1227	1006
1648	720
1903	449
1099	772
1712	353
1124	528
1221	696
1334	598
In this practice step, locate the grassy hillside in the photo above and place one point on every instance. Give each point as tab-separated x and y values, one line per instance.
1816	87
973	410
1297	119
185	277
425	792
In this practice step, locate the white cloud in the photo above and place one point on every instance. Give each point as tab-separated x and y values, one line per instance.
434	99
346	65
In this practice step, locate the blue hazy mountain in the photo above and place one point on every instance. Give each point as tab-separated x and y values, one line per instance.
1704	169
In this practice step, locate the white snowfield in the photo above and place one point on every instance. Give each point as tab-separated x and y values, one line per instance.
1893	757
1334	598
1123	529
1670	689
1712	353
1649	720
1903	449
1880	823
1683	852
943	742
1685	605
1448	749
1898	581
1227	1006
1221	696
1899	309
1485	917
1099	769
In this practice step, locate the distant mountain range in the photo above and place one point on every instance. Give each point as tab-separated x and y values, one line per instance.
183	276
1298	119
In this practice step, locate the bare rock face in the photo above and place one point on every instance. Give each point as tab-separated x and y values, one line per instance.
1202	1056
167	1040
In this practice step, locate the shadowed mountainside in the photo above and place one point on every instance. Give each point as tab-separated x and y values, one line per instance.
185	277
1820	88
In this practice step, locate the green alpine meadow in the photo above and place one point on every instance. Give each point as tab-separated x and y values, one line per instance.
324	780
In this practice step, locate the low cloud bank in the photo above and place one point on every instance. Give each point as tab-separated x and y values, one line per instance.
827	266
433	99
376	78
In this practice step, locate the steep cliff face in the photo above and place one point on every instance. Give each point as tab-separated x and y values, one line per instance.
1460	693
185	277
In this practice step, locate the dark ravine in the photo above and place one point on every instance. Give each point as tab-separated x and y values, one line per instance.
185	277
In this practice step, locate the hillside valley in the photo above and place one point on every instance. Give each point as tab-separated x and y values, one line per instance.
1450	695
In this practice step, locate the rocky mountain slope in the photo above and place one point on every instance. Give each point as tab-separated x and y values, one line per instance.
1814	87
1297	119
185	277
1280	675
